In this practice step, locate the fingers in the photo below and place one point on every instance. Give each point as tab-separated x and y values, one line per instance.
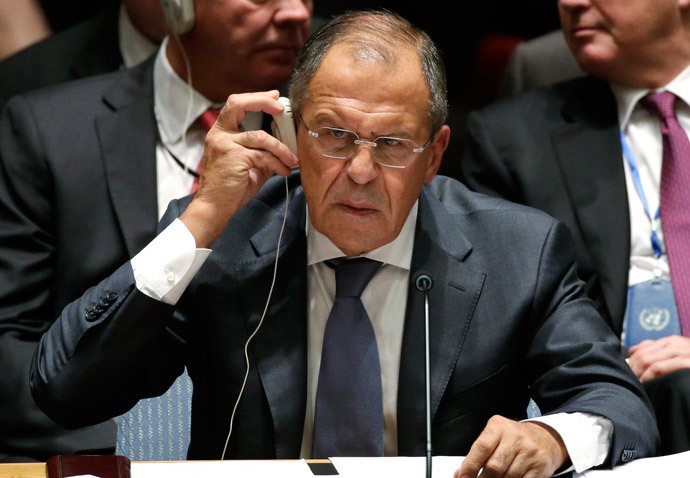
273	153
511	449
235	166
236	107
482	448
654	358
225	132
664	367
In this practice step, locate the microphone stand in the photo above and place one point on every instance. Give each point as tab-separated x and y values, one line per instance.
424	284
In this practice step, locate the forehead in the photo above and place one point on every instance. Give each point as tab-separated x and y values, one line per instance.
352	82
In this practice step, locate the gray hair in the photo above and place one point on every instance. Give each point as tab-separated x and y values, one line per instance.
374	34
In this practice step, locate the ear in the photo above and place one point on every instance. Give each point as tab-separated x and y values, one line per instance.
438	147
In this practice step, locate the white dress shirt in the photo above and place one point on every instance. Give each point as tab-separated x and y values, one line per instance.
384	299
167	265
643	135
176	107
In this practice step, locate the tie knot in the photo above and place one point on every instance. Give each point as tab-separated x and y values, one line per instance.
208	117
352	275
661	104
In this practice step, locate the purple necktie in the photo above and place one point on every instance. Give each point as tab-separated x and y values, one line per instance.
348	415
675	199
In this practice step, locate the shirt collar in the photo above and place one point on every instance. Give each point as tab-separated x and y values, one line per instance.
397	252
172	98
134	47
627	97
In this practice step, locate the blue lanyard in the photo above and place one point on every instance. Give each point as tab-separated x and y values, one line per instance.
627	153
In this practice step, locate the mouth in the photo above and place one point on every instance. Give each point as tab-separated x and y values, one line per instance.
357	209
584	30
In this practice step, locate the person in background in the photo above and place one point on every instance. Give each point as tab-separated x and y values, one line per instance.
87	168
121	36
608	156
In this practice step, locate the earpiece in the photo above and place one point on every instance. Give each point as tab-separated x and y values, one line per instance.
179	15
283	126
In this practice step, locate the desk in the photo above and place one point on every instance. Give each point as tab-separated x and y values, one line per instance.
22	470
668	466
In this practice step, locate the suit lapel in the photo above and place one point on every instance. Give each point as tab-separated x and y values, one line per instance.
601	205
127	139
440	248
280	347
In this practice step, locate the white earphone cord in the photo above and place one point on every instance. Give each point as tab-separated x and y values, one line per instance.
275	267
261	321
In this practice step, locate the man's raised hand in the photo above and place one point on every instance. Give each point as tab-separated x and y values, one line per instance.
236	165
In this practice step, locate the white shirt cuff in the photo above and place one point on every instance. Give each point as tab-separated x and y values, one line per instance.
166	266
587	437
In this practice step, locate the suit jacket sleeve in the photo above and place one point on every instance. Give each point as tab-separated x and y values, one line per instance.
577	358
27	272
108	349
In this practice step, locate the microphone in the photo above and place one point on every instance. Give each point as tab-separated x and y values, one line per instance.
423	282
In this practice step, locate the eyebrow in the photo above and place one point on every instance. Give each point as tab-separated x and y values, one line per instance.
328	120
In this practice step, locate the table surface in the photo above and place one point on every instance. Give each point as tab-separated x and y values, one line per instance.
38	470
22	470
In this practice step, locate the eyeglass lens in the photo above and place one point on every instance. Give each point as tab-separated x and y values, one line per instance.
342	144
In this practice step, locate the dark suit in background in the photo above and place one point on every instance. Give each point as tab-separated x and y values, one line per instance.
543	149
77	198
84	50
559	150
502	318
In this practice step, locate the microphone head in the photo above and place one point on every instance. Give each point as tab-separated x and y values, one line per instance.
422	280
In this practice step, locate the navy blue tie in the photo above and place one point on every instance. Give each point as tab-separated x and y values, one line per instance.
348	416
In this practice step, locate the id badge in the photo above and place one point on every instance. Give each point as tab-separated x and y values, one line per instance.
651	312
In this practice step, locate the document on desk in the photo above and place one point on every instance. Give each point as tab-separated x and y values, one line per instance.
400	467
223	469
671	466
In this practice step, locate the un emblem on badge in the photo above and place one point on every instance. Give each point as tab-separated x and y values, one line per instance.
654	319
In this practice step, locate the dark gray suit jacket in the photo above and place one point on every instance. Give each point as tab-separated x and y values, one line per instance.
77	199
509	320
558	150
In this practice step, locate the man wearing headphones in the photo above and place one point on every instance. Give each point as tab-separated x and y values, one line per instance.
87	168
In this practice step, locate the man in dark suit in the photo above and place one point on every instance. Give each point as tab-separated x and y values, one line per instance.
506	322
561	150
119	37
88	167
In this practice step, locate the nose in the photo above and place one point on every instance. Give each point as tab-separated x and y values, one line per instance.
572	4
362	167
294	11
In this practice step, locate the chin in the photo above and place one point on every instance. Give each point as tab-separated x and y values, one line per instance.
595	59
355	241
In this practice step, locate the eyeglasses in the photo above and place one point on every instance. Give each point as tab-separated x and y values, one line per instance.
387	151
